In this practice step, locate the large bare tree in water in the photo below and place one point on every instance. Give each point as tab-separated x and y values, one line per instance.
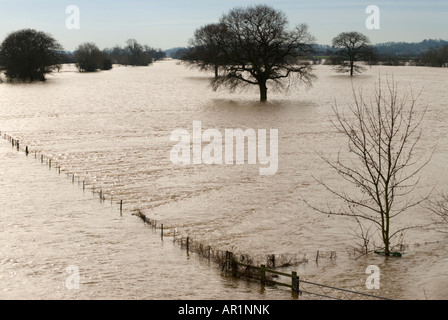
381	161
256	48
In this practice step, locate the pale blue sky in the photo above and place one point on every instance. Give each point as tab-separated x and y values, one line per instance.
169	23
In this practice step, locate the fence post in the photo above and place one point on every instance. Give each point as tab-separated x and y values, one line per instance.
121	207
227	261
161	230
263	274
294	281
188	243
234	266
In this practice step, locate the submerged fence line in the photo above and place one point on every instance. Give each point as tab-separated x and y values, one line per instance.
236	264
260	267
15	143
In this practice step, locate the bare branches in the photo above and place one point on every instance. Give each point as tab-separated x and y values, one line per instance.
252	46
381	162
352	47
440	208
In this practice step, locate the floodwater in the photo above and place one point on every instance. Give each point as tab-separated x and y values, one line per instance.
112	129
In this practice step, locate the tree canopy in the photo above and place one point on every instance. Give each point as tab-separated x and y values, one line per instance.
252	46
28	54
351	48
135	54
436	57
88	58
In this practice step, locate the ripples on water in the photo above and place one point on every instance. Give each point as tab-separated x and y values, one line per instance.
48	224
112	129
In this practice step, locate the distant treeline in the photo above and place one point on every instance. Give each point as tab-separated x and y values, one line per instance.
132	54
428	52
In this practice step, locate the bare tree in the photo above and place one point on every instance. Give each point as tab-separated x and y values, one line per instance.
88	57
207	48
381	162
257	49
351	48
136	53
363	237
440	208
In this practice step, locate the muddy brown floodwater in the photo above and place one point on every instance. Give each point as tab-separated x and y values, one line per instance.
112	129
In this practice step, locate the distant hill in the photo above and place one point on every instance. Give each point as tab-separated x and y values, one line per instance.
406	49
403	49
399	49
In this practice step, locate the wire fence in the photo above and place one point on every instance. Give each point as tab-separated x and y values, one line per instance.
254	267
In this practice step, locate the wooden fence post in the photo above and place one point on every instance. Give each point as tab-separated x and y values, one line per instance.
263	274
234	267
294	281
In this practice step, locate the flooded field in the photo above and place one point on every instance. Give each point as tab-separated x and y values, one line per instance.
112	130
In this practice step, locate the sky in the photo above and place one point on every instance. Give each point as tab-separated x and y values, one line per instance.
171	23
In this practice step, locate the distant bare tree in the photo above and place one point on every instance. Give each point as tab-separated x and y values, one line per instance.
206	49
382	138
88	57
436	57
137	56
351	48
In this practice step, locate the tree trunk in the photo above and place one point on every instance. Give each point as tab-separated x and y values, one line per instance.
263	91
216	71
351	68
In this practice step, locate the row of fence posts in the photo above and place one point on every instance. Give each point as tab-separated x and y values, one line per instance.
230	265
15	143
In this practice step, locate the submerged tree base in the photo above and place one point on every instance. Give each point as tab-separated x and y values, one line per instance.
394	254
